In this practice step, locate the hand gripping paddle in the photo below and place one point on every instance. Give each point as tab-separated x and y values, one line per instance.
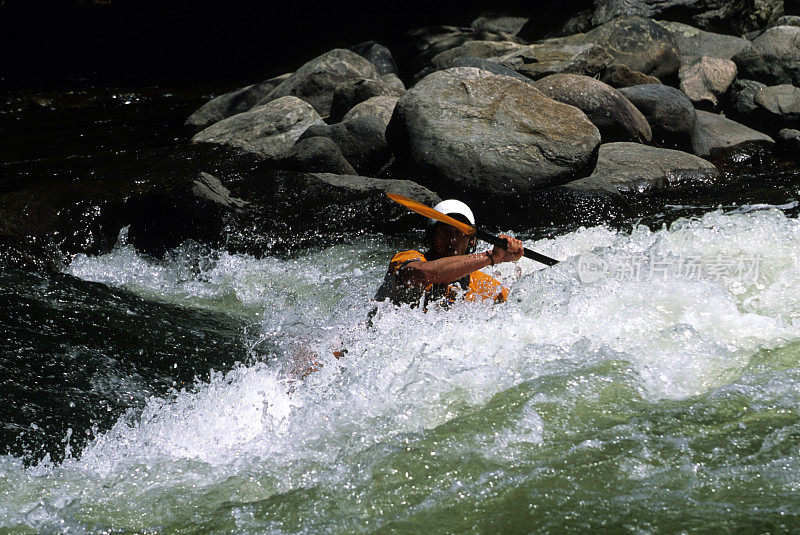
467	229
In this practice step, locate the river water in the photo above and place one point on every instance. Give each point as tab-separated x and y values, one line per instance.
659	394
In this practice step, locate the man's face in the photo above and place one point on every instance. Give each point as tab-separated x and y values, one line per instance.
449	241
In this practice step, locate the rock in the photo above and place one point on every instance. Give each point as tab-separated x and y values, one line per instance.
352	92
607	108
468	130
316	155
423	44
787	20
718	136
743	94
588	201
631	167
789	141
252	208
621	76
779	105
316	81
638	43
705	80
478	63
269	130
494	21
540	60
362	141
773	57
210	188
378	107
695	43
734	16
473	49
394	81
668	111
232	103
378	55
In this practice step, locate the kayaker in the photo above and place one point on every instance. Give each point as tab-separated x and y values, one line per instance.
450	267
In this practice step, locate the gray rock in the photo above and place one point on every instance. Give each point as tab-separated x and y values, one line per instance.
669	112
743	94
706	79
378	107
586	201
607	108
779	105
621	76
232	103
362	141
494	21
352	92
474	49
695	43
208	187
380	186
394	81
735	16
316	81
550	57
639	43
316	155
468	129
478	63
631	167
773	57
270	130
789	140
787	20
378	55
423	44
718	136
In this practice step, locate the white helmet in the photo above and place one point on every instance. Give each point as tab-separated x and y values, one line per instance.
452	206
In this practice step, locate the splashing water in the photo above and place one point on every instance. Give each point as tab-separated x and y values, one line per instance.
631	403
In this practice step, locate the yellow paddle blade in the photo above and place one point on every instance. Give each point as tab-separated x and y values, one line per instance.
420	208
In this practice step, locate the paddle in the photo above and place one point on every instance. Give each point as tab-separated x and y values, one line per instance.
467	229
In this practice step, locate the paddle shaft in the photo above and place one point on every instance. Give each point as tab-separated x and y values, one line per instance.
500	242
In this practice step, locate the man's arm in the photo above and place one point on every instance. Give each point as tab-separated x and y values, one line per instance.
452	268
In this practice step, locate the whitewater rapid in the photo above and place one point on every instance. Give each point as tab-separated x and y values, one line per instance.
555	369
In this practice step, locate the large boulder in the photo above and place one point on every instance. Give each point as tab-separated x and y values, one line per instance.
637	42
789	140
550	57
632	167
378	107
423	44
588	201
233	102
269	130
734	16
706	79
353	92
773	57
494	21
779	105
720	136
695	43
489	65
362	141
622	76
607	108
378	55
743	94
474	49
468	130
316	155
317	79
668	111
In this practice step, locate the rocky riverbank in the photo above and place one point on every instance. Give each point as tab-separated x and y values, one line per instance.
532	125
